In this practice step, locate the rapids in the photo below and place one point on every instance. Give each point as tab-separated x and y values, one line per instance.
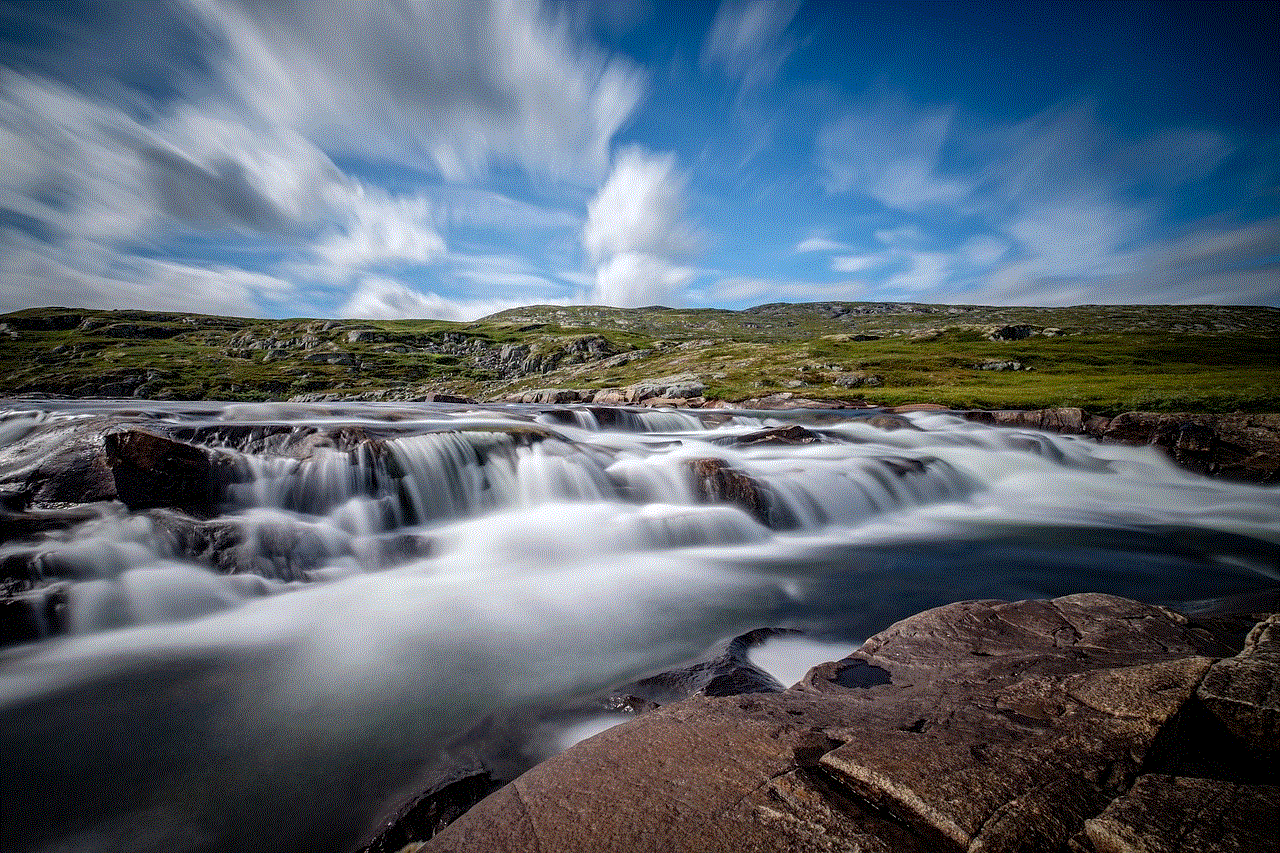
378	595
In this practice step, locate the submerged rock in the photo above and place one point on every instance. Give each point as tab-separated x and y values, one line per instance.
994	726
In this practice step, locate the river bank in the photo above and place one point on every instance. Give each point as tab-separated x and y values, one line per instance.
1088	723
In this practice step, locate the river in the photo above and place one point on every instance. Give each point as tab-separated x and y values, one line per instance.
383	577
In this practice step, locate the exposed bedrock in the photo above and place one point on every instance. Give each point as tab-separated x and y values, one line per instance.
1236	446
1087	723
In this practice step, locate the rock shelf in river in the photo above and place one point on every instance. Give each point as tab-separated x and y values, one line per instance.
1088	722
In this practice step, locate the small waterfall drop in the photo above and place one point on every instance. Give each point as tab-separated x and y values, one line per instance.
372	580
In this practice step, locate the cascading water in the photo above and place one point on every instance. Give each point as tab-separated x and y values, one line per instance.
272	672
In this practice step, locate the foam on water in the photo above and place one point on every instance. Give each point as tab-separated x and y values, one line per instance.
375	595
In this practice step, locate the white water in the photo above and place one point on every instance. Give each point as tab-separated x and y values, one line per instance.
466	562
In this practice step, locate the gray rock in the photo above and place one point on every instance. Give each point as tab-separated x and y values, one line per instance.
1014	332
858	379
679	385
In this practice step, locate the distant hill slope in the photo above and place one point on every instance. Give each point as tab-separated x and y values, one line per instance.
1107	358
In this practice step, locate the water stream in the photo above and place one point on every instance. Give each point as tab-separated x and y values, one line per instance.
375	579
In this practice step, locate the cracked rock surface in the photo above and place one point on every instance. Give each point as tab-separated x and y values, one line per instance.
1087	723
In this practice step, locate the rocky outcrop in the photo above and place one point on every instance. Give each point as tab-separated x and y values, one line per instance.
992	726
858	379
1236	446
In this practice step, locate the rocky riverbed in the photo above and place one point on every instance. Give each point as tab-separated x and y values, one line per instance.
273	627
1088	722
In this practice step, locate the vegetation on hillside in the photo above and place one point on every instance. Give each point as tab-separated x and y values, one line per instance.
1103	358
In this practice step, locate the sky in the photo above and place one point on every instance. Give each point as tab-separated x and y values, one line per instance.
453	159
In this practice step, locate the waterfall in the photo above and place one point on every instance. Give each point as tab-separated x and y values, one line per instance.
372	580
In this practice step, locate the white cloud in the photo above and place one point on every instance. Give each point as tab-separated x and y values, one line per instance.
734	290
634	280
857	263
819	243
455	83
892	154
635	234
381	298
639	209
747	39
96	277
381	230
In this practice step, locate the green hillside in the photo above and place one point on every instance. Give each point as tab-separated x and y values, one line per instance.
1103	358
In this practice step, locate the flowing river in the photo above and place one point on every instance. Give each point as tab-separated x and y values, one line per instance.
275	673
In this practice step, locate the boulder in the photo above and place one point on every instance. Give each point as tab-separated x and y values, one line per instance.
1014	332
679	385
791	435
716	482
152	470
992	726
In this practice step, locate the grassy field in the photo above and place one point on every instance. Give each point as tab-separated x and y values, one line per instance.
1103	358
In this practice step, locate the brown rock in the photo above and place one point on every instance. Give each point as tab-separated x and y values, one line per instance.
1171	814
151	470
716	482
978	726
1244	691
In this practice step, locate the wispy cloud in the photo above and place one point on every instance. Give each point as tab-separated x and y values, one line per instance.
820	243
891	153
1063	210
747	39
384	298
636	235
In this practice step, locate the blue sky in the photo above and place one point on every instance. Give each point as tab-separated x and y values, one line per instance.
451	159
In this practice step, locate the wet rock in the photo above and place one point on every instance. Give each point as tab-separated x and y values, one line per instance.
1235	446
983	725
716	482
77	472
446	398
151	470
33	615
791	435
441	802
673	402
1067	420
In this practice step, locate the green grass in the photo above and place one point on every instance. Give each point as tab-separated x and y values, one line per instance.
1108	359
